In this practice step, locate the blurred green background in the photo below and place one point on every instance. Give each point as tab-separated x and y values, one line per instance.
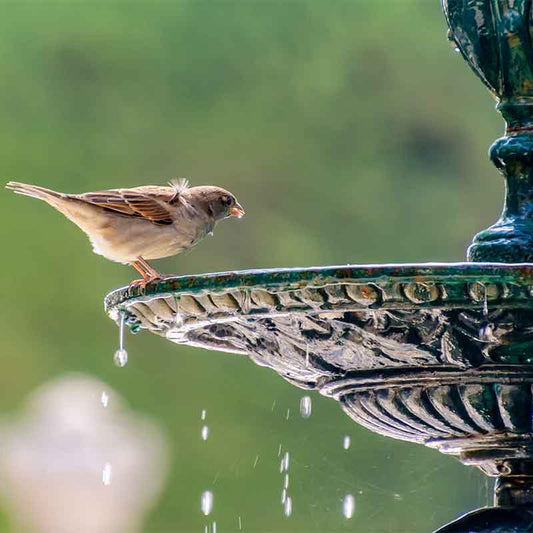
350	132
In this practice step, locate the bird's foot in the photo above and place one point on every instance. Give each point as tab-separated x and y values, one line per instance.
141	283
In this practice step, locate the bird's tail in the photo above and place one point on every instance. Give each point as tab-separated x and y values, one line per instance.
34	191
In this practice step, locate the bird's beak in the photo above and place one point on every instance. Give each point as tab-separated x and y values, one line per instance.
236	211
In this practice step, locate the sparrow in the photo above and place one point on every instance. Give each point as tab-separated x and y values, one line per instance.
130	226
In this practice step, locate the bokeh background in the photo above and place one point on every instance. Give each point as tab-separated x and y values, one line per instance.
350	132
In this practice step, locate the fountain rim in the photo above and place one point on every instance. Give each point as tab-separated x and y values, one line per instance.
298	278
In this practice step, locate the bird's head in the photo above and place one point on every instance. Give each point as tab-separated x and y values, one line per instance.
216	202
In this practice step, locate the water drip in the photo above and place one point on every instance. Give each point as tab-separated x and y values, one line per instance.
207	502
287	507
121	355
106	474
348	506
104	398
305	406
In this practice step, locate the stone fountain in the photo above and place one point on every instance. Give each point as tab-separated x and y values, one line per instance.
438	354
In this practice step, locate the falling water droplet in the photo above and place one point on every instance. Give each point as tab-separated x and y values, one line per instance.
256	461
214	527
398	497
121	355
348	506
205	432
307	355
287	507
283	495
288	414
346	441
204	414
240	523
104	398
106	474
279	450
286	481
207	502
305	406
285	461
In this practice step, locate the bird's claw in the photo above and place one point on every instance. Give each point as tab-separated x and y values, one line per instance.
141	283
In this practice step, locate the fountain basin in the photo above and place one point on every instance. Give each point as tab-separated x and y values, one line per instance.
439	354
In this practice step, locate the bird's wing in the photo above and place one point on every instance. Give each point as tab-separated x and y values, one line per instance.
152	203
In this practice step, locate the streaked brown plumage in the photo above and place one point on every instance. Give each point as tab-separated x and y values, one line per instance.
150	222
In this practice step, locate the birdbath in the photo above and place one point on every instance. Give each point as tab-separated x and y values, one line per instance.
438	354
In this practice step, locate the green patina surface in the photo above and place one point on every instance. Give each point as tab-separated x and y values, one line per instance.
495	38
313	276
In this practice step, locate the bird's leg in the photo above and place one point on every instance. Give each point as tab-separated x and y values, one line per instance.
150	270
145	277
142	271
147	272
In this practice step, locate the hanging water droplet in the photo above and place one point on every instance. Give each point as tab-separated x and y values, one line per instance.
246	301
106	474
121	355
207	502
486	333
121	358
451	38
205	432
348	506
104	399
286	481
178	317
305	406
204	414
346	441
287	507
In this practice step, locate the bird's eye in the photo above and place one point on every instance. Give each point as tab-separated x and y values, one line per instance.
226	200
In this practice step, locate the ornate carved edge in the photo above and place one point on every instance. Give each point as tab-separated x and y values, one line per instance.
208	298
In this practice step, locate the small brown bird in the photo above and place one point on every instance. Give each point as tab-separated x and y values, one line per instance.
150	222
